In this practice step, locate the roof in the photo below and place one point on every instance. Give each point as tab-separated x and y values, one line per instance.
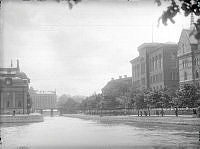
21	75
148	45
156	45
8	69
135	59
191	38
12	72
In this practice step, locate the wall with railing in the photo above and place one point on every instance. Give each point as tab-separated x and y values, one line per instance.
181	111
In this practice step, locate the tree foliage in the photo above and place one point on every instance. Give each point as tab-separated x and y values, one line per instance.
175	6
66	104
187	6
187	96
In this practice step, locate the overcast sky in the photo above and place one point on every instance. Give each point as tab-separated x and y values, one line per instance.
78	51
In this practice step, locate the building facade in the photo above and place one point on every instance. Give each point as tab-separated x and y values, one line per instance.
43	100
189	59
156	67
14	95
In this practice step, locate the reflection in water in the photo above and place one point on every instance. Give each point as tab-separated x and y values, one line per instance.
76	133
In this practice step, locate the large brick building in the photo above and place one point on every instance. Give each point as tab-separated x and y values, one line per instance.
14	95
156	67
189	58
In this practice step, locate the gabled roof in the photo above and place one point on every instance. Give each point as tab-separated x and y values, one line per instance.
191	38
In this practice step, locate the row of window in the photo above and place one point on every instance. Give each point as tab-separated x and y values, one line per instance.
156	78
196	75
196	61
43	101
18	104
158	87
156	62
185	63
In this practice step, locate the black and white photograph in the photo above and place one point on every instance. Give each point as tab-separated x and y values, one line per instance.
99	74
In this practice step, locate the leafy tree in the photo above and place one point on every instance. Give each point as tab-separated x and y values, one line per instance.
187	6
159	98
139	100
66	104
187	96
62	100
91	103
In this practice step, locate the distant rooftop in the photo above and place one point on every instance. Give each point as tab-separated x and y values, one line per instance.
41	92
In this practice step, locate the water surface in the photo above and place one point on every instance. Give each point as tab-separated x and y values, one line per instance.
58	132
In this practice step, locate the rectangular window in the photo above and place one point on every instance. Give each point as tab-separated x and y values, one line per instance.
183	63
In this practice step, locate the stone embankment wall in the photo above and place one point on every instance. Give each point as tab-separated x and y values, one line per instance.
21	118
137	119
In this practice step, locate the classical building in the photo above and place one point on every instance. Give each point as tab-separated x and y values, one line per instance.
42	100
14	95
156	67
188	58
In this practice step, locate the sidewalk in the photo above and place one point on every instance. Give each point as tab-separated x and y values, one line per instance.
181	120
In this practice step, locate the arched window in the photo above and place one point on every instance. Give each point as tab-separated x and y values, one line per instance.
185	75
197	74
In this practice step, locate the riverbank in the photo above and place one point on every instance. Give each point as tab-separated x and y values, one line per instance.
21	118
181	120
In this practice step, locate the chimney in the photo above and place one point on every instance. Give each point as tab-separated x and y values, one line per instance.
125	76
18	69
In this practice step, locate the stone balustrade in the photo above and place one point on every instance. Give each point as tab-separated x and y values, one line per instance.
21	118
